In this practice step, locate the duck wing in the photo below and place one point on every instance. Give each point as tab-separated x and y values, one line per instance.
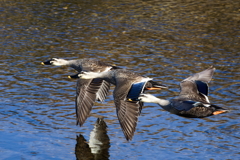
103	91
86	95
135	90
201	80
204	76
127	111
189	91
202	87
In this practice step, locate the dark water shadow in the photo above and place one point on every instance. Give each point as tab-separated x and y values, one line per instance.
98	146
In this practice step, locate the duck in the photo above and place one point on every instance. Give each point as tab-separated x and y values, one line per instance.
193	101
128	86
87	90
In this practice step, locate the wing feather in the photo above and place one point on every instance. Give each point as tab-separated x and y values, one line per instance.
127	111
103	91
85	98
204	76
202	87
189	91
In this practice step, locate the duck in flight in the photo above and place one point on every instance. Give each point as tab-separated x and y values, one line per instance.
193	98
128	87
87	90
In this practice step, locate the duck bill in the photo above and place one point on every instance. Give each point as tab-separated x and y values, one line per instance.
46	62
219	112
153	88
73	76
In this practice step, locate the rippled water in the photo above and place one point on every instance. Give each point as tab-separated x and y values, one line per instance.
167	40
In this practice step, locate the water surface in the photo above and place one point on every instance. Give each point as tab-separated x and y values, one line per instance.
167	40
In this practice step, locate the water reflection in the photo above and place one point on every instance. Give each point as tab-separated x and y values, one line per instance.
98	146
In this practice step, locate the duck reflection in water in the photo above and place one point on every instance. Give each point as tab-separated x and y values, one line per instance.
98	146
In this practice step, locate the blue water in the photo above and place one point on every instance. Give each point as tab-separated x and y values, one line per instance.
167	41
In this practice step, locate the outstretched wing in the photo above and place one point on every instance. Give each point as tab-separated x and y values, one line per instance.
135	90
204	76
86	95
127	111
103	91
189	91
202	87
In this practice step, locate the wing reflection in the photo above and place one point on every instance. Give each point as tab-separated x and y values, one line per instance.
99	143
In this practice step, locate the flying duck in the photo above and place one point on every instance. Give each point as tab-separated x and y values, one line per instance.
128	87
193	98
87	90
